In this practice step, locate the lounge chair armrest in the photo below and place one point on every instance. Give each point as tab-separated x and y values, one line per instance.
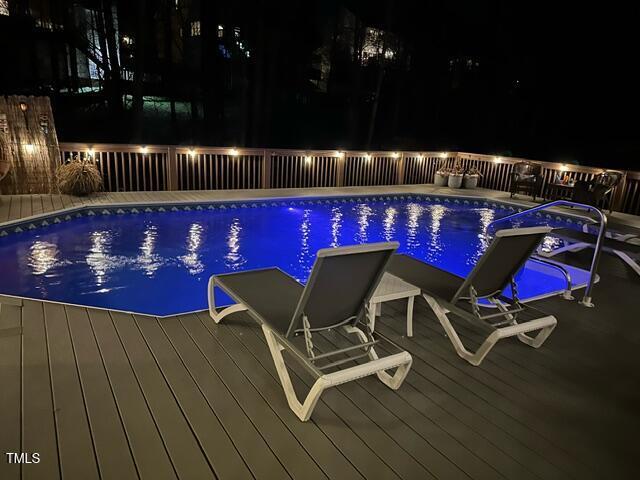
525	327
369	368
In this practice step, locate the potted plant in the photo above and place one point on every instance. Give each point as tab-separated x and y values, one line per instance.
455	177
471	178
79	176
441	177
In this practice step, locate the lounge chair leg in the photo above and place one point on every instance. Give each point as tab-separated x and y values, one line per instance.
473	358
628	260
302	410
537	340
372	316
545	325
392	381
410	303
218	316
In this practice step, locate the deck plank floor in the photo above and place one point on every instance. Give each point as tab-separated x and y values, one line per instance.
110	395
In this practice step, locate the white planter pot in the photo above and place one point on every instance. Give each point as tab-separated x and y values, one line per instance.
440	179
471	181
455	180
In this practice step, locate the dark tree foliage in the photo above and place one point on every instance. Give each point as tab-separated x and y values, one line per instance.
552	81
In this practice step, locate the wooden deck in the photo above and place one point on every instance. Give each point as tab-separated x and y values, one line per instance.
108	395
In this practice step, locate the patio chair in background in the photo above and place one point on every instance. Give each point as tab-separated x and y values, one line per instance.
597	192
447	293
337	295
526	177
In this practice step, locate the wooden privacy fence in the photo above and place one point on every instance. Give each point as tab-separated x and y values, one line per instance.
155	167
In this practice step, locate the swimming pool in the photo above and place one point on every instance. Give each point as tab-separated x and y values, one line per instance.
157	259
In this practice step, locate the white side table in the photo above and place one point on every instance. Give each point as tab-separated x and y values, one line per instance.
393	288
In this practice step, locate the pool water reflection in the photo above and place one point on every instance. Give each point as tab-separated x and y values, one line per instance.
159	263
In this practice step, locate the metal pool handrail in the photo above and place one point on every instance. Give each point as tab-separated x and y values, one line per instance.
565	273
586	300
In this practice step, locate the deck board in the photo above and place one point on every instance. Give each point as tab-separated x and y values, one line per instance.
109	438
10	371
75	445
242	365
183	448
149	452
38	421
268	447
210	427
443	442
357	421
147	394
480	400
335	428
406	426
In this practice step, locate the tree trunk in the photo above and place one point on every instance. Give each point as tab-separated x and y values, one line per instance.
104	54
213	76
376	99
257	117
380	77
169	67
114	62
400	94
353	114
138	75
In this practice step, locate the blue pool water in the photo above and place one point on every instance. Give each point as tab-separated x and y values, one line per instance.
160	262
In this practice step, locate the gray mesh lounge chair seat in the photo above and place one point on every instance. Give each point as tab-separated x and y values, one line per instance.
448	293
629	253
337	294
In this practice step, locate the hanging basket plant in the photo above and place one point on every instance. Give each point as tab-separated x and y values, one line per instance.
79	176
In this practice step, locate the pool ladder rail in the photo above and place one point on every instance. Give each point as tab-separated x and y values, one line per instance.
587	298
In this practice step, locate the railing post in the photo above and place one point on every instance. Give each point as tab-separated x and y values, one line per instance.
340	170
172	169
400	171
266	169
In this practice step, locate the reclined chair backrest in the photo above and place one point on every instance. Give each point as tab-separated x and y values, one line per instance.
507	253
341	283
527	168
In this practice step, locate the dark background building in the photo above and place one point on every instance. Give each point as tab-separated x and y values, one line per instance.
530	79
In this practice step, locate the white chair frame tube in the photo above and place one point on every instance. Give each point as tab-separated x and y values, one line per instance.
544	324
303	410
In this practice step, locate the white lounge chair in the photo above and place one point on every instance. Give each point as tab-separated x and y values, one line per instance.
616	244
337	294
447	293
